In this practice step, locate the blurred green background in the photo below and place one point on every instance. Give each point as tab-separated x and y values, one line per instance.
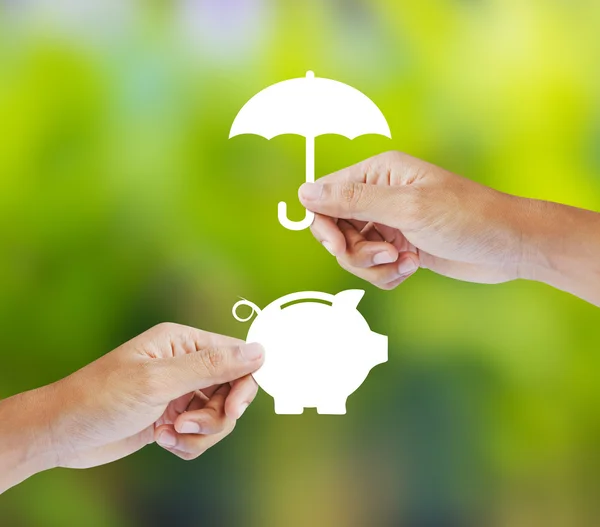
124	204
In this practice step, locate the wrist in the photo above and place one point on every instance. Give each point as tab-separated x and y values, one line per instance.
508	218
534	261
27	444
559	247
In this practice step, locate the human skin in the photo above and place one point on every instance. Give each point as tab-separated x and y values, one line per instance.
389	215
181	387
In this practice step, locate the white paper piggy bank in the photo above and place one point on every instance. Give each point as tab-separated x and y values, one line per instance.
318	349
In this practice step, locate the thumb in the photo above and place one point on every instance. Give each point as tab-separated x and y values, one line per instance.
209	366
357	201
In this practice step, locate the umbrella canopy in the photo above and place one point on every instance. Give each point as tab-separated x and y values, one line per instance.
309	106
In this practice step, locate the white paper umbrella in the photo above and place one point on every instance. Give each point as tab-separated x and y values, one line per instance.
309	106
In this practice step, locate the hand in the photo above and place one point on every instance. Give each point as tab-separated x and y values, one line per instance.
181	387
391	214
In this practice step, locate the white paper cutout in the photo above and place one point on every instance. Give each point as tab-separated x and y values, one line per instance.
316	353
309	106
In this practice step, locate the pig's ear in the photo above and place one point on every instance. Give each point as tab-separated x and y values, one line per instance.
348	299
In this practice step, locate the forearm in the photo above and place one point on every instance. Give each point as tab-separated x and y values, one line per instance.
25	436
561	247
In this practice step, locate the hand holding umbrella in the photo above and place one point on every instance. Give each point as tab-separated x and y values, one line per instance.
309	106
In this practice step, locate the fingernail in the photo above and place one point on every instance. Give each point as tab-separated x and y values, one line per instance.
383	257
407	266
242	409
311	191
189	427
167	439
329	247
252	352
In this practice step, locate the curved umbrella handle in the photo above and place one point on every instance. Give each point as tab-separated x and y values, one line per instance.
310	178
293	225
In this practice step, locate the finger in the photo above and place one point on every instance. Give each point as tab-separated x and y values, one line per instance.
378	275
363	253
243	392
389	234
178	406
215	340
326	231
370	170
359	201
388	168
200	399
396	238
208	418
384	275
209	366
189	446
372	233
170	340
378	232
359	225
355	173
207	392
395	283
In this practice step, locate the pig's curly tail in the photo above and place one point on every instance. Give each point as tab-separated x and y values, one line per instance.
247	303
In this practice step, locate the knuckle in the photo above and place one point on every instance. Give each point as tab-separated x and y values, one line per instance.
357	197
393	156
195	451
351	194
394	283
349	265
186	456
385	287
215	417
370	168
213	359
166	327
359	255
384	280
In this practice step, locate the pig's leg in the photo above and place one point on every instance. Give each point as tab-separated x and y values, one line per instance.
333	406
285	406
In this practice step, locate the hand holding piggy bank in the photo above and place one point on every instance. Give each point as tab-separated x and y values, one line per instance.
318	349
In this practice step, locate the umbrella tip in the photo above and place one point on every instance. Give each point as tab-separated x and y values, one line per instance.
310	74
